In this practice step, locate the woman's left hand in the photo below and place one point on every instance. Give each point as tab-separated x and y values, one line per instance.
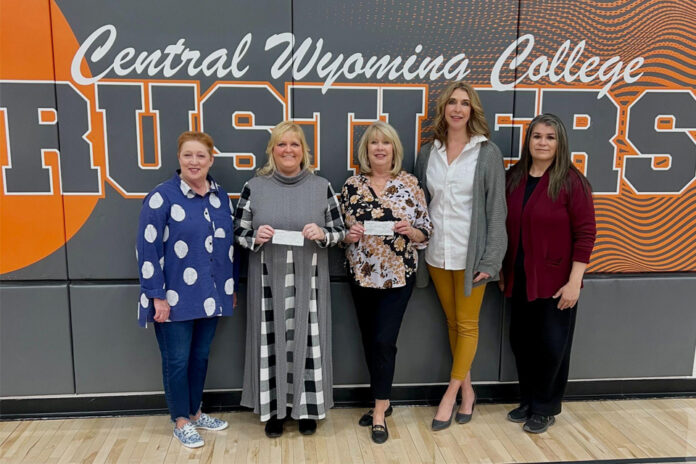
403	227
313	232
569	294
355	233
481	276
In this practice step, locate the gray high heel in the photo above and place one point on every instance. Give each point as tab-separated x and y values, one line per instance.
462	418
438	425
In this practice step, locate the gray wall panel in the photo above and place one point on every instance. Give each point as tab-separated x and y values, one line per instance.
35	357
112	354
629	327
636	327
486	365
348	358
52	267
226	366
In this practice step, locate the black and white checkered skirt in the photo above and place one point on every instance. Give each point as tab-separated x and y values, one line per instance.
311	402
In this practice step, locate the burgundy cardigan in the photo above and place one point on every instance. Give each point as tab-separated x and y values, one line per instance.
554	234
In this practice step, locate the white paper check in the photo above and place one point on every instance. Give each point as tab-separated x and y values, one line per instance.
288	237
379	228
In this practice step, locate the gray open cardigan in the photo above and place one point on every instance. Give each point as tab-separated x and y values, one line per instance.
488	238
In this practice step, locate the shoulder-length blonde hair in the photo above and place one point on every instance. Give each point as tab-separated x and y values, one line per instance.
390	135
276	134
476	125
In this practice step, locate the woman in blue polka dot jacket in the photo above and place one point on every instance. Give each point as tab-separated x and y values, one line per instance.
187	278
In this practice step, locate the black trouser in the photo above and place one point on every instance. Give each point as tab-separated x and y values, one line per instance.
541	336
380	312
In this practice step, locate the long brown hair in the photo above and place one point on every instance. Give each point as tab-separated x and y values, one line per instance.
560	167
476	125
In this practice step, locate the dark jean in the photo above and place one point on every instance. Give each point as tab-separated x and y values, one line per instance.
185	346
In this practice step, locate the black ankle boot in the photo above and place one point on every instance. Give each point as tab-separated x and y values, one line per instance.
274	427
308	426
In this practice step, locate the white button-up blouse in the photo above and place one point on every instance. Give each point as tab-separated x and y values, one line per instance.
451	189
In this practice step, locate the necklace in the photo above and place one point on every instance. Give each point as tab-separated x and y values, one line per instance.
378	183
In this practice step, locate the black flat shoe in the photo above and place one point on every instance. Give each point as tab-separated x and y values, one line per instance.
380	433
538	424
438	425
308	426
462	418
274	427
366	419
519	414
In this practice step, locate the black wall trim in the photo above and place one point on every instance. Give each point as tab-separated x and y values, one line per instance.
84	406
629	460
334	278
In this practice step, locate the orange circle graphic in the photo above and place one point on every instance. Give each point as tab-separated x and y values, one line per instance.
35	39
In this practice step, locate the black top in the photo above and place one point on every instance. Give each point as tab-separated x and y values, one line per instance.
529	188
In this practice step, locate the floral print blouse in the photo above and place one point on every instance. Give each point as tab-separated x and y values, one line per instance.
381	261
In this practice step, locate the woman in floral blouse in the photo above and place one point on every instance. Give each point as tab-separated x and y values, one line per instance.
382	267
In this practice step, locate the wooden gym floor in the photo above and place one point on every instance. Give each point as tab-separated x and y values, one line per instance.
627	431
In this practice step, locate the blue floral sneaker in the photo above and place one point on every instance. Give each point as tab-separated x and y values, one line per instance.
209	423
188	436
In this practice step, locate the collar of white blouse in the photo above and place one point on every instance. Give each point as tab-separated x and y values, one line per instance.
473	142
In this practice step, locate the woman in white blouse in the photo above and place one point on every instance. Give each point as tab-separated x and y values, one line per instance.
464	180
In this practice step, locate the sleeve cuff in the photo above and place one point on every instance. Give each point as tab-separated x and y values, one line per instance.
254	246
490	271
425	233
161	294
325	242
582	257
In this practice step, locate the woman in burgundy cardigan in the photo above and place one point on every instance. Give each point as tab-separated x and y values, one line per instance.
551	231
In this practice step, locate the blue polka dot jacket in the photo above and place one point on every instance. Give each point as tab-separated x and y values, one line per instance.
185	252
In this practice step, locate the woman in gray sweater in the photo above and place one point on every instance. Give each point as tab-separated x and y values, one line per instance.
463	177
287	217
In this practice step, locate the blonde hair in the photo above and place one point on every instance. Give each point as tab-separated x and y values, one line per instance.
476	125
390	135
276	134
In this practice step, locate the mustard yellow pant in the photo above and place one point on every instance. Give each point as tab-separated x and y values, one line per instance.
462	314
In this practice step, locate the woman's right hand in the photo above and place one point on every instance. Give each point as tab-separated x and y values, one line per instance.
161	310
263	234
355	233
